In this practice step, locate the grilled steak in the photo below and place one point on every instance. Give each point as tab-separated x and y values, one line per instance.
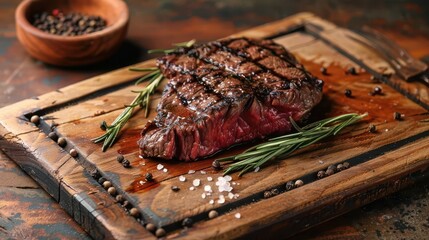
224	93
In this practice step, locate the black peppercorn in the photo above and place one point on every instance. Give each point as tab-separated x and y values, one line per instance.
111	190
348	93
299	183
62	142
126	204
340	167
107	184
267	194
377	91
289	185
187	222
329	172
320	174
95	174
216	165
120	158
101	180
372	128
175	188
351	70
332	167
346	165
120	198
275	191
148	176
126	163
324	71
53	136
134	212
103	125
213	214
397	116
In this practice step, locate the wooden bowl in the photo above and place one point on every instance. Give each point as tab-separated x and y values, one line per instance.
72	50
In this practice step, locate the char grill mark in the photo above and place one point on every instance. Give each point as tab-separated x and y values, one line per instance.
223	93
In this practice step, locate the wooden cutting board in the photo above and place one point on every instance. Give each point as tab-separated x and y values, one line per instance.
383	162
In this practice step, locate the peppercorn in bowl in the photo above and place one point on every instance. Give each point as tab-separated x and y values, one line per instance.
71	32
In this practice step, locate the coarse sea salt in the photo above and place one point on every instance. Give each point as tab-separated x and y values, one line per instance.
231	195
191	171
237	215
203	195
209	179
182	178
257	169
221	199
159	166
211	201
203	172
165	170
207	188
192	188
196	182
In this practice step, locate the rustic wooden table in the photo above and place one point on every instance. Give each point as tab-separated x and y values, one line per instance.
26	211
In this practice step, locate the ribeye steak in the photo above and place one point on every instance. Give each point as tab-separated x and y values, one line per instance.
226	92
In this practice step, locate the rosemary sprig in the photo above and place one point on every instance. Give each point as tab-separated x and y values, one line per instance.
283	146
142	100
155	77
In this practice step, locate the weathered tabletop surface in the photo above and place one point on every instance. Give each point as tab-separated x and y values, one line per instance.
27	212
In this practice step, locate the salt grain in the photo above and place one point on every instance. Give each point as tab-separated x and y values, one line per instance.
159	166
191	171
227	178
165	170
141	182
203	195
257	169
209	179
221	199
182	178
192	188
237	215
207	188
211	201
196	182
203	172
231	195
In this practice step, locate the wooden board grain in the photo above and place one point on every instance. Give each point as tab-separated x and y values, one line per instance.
381	162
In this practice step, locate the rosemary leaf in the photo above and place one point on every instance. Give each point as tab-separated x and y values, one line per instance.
285	145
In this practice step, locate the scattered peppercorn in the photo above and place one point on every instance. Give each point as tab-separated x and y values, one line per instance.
332	167
267	194
112	191
62	142
289	185
53	136
107	184
348	93
340	167
103	125
126	163
126	204
120	198
213	214
351	70
70	24
377	91
73	152
187	222
372	128
150	227
120	158
134	212
175	188
375	79
148	176
95	174
275	191
324	71
35	119
321	174
101	180
329	172
160	232
346	165
216	165
299	183
397	116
